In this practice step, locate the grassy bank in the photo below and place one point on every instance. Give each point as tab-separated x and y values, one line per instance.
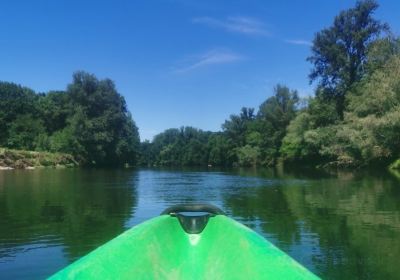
18	159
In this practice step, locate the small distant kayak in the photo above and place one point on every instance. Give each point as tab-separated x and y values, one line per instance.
195	241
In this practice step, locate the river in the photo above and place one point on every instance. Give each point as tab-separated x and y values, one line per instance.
340	226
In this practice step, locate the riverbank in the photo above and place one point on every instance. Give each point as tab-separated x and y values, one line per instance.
19	159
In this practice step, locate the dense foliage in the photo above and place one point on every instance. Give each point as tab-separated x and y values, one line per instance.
339	53
186	146
89	120
353	120
247	139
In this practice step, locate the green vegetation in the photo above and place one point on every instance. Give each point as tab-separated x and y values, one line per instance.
352	121
176	147
78	206
11	159
89	121
339	53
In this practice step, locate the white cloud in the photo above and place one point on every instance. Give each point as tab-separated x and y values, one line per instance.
212	57
299	42
243	25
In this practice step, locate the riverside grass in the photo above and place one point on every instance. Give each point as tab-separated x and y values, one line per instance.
21	159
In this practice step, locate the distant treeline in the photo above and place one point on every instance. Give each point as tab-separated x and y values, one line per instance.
353	119
89	120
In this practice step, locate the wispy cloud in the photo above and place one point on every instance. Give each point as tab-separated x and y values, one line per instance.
243	25
212	57
299	42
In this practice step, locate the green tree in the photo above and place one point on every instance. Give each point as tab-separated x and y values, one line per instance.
24	132
372	123
381	51
274	116
293	144
100	122
322	112
339	53
15	100
54	109
369	133
248	155
147	154
164	147
220	150
237	125
186	146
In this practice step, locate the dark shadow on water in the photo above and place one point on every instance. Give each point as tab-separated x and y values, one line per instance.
76	209
341	225
347	223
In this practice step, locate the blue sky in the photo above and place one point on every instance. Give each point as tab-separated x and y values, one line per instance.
177	62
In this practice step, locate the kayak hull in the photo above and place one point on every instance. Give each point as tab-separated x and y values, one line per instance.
160	249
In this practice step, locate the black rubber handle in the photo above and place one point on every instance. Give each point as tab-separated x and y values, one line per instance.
196	207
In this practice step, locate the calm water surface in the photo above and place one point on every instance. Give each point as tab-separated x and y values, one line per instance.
343	226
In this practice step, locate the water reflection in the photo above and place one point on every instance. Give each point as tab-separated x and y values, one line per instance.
346	227
75	209
340	225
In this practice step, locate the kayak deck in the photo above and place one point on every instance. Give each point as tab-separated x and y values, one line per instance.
160	249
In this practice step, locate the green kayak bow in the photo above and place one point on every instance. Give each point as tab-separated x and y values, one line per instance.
187	242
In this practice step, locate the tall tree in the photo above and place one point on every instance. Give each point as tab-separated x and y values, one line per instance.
101	123
274	115
220	150
186	146
236	127
15	100
24	132
55	108
339	53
